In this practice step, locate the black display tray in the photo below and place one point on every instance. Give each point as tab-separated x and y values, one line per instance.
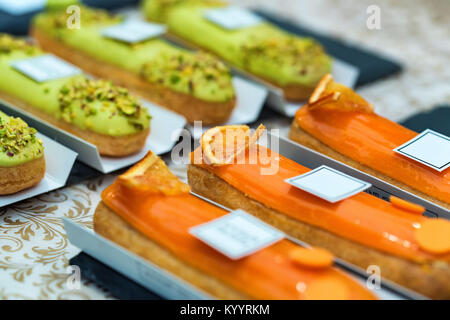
438	119
117	284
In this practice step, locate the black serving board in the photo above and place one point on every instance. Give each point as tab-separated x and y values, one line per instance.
438	119
372	65
117	284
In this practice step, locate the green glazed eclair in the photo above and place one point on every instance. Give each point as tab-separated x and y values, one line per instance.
197	86
95	110
289	62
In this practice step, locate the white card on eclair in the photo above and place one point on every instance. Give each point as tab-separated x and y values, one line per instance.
237	234
328	184
233	18
134	31
59	161
45	67
429	148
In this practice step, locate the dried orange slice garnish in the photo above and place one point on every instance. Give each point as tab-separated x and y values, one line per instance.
434	236
312	257
406	205
333	95
222	145
152	175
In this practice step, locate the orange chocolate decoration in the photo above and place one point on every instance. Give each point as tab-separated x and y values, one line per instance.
268	274
362	218
369	139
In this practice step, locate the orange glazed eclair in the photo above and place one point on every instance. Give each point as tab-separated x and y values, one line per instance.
342	125
149	211
409	248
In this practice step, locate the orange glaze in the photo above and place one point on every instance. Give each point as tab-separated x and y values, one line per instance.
369	139
362	218
267	274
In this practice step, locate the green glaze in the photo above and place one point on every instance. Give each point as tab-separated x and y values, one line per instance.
76	99
18	142
58	4
158	10
156	60
264	49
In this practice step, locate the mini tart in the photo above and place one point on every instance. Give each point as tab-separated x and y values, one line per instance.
286	61
197	86
363	230
149	212
347	131
94	110
22	161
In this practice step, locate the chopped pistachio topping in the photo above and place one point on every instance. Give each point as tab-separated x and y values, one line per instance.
58	18
87	93
15	135
9	44
295	52
185	71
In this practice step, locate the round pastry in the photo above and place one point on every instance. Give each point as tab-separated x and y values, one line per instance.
22	161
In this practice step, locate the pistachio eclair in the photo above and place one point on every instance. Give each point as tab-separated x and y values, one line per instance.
292	63
97	111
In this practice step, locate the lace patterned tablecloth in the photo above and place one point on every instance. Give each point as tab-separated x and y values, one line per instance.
34	250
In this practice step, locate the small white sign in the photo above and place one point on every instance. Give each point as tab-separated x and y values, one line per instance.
18	7
233	18
237	234
134	31
45	67
329	184
429	148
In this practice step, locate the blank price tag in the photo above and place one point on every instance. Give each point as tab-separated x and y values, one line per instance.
429	148
233	18
133	31
18	7
45	67
329	184
237	234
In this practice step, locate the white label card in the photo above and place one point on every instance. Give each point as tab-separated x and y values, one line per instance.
429	148
18	7
329	184
45	68
237	234
232	18
134	31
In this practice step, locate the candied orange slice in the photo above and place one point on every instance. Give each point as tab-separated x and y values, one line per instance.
152	175
406	205
222	145
312	257
331	94
434	236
